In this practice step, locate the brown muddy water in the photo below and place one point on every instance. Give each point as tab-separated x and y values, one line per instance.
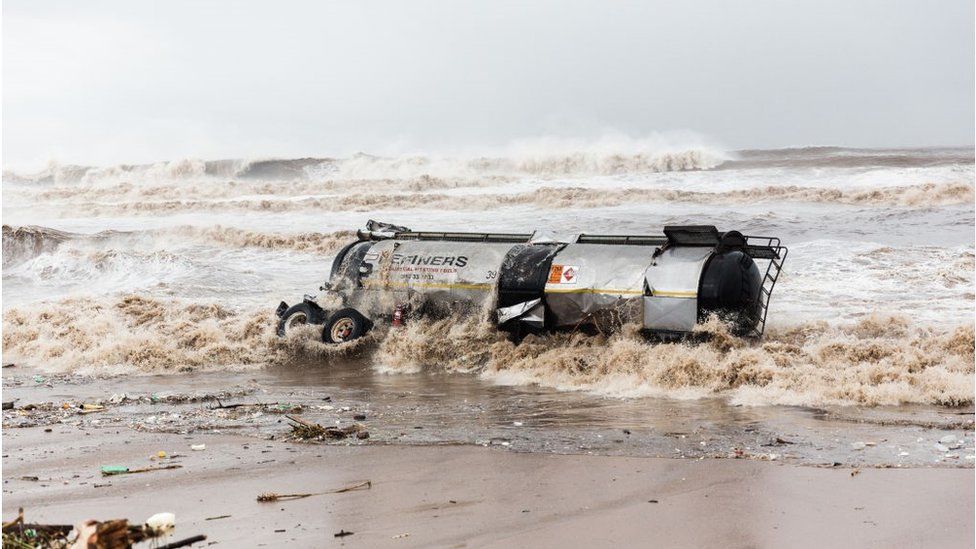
158	283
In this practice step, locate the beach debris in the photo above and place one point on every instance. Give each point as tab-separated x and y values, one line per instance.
858	445
359	417
9	405
517	423
9	365
161	522
218	517
90	534
268	497
114	470
951	441
941	447
401	536
342	534
306	430
198	447
855	472
161	454
87	408
109	470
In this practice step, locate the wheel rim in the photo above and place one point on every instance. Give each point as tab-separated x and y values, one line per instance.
295	320
342	329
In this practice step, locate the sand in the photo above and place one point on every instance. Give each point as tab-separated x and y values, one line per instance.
470	496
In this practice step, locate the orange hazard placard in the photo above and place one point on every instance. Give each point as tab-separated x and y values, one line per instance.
563	274
555	274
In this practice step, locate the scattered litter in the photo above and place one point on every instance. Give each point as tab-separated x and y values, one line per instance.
109	470
198	447
9	365
87	408
652	501
38	379
217	517
114	469
941	447
517	423
951	441
855	472
161	522
359	417
88	533
306	430
9	405
903	454
342	534
268	497
401	536
30	478
161	454
858	445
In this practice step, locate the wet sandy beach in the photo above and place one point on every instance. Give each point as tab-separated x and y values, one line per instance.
466	496
455	461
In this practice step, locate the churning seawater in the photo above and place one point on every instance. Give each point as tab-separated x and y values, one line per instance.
175	266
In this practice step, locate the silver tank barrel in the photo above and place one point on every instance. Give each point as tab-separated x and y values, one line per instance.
664	283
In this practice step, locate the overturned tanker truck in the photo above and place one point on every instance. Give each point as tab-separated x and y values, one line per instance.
540	281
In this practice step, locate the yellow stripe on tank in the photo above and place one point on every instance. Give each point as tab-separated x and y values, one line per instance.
674	294
593	291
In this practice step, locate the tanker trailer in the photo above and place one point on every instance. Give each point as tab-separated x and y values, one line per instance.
540	281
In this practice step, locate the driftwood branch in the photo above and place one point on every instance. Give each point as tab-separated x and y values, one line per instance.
272	496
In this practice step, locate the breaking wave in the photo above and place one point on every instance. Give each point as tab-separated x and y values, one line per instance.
876	361
924	195
21	244
115	192
585	161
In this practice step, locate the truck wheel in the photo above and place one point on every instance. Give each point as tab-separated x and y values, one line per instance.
345	325
295	317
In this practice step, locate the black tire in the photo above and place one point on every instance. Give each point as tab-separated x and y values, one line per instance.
295	316
345	325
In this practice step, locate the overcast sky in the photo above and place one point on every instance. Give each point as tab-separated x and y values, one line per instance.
107	82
